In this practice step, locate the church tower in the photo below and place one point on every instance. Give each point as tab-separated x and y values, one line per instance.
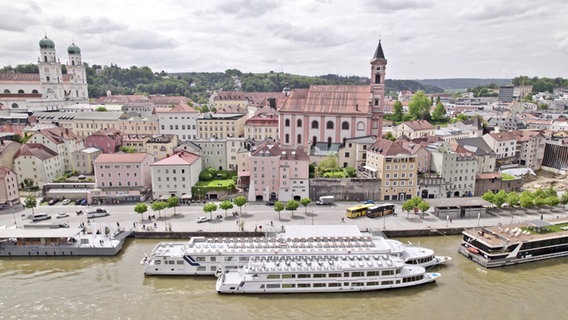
77	87
51	77
377	103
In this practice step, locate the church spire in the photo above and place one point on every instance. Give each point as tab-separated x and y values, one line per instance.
379	54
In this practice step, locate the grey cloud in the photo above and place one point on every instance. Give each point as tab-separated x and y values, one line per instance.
495	10
397	5
16	18
246	8
88	25
141	39
314	35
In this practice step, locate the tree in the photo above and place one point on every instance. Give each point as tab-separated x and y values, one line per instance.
173	202
240	201
226	205
419	106
526	199
278	207
488	196
551	201
159	206
30	203
209	208
439	112
512	200
292	205
389	136
500	198
351	172
141	208
564	198
423	206
101	109
410	205
305	202
397	111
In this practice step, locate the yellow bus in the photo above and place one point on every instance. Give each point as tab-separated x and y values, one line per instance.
380	210
358	211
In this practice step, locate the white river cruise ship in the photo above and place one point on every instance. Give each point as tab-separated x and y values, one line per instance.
321	273
202	256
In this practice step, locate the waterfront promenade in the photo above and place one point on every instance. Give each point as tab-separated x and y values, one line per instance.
262	218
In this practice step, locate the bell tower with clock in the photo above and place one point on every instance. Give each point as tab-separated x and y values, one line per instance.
378	69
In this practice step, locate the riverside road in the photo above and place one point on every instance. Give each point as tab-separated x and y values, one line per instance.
258	216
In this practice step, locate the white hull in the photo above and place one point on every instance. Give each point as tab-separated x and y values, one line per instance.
319	275
202	256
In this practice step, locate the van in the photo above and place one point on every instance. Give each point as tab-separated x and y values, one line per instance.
40	217
99	212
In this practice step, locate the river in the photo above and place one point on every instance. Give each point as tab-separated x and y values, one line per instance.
115	288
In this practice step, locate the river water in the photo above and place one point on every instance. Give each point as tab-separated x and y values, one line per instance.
115	288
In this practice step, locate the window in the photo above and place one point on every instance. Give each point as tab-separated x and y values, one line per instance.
299	140
287	138
315	125
299	123
345	125
329	125
287	122
360	126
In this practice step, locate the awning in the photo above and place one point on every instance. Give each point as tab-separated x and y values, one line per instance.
163	197
186	196
370	169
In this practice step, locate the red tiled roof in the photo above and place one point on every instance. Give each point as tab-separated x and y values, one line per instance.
502	136
119	99
58	135
340	99
275	150
178	158
4	171
419	125
37	150
389	148
120	158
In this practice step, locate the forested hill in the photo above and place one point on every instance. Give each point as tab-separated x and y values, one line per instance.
461	84
198	85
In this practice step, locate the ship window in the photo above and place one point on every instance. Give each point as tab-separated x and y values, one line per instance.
372	273
386	283
335	275
201	268
334	284
273	276
244	259
319	285
357	284
303	285
288	285
213	259
158	262
288	276
387	272
272	286
199	258
357	274
373	283
319	275
179	262
304	276
262	286
171	262
229	258
213	268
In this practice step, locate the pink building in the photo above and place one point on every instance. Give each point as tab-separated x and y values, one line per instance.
278	173
109	140
9	193
122	177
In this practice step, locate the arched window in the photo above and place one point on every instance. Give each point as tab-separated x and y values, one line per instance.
44	58
329	125
315	124
21	91
287	138
345	125
6	91
47	78
287	122
299	123
360	126
15	105
35	91
299	140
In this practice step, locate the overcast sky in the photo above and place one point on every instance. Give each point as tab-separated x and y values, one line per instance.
422	39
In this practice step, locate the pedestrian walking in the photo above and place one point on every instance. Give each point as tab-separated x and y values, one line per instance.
271	223
342	220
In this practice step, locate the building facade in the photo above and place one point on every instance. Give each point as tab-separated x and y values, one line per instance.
175	175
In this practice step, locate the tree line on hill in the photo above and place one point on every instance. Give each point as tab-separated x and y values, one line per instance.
199	85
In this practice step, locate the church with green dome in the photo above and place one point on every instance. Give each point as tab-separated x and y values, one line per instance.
50	89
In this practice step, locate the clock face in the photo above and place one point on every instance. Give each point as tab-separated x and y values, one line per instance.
378	68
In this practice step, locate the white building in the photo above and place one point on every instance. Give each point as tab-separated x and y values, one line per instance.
49	89
180	120
175	175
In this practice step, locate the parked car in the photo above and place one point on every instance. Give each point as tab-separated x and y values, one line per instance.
369	202
52	202
97	213
66	201
62	215
270	202
40	217
202	219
